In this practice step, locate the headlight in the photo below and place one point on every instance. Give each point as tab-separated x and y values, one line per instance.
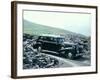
62	47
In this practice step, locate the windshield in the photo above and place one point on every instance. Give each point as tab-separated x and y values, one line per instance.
60	40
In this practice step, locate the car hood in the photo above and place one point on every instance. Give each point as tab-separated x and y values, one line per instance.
69	43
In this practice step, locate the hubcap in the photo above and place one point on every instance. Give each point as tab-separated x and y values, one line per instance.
70	55
39	49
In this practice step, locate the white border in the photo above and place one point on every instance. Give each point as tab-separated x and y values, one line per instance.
21	72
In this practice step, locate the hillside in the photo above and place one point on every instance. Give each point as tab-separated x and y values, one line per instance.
33	28
36	29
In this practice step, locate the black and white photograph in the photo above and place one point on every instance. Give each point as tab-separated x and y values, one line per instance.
54	39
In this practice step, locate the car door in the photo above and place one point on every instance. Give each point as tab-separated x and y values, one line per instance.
49	44
45	43
53	44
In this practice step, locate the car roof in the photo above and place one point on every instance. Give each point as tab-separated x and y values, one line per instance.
51	35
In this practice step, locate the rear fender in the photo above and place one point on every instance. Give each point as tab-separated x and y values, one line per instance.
37	45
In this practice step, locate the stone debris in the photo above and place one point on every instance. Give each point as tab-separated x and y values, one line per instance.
34	60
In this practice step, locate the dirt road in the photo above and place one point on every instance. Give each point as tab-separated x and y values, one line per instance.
63	62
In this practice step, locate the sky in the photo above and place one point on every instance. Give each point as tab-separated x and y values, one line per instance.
75	22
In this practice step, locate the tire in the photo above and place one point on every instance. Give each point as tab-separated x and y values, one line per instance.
39	49
70	55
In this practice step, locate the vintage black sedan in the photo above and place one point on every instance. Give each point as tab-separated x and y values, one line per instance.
56	44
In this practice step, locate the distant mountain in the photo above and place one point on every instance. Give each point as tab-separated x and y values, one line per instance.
37	29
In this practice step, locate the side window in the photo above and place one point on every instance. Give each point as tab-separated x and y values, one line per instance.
51	39
41	38
45	38
55	40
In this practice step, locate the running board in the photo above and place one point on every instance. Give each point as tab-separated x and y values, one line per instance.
50	51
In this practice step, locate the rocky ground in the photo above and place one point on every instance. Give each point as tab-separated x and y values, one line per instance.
32	59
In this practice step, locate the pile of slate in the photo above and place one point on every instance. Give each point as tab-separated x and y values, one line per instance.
34	60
